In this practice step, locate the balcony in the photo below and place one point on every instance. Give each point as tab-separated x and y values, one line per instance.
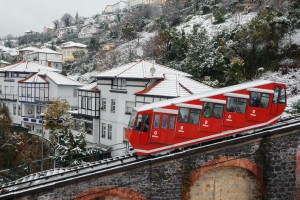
12	97
32	120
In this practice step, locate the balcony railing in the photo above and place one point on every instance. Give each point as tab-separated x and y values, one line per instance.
32	120
13	97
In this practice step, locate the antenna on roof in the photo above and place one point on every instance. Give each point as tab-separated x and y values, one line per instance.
152	69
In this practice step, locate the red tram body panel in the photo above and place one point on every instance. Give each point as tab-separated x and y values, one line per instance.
184	121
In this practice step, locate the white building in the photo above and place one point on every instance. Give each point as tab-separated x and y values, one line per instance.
119	6
121	89
66	30
45	56
132	3
4	63
68	48
28	87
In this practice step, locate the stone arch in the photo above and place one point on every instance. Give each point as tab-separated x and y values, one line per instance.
110	191
227	164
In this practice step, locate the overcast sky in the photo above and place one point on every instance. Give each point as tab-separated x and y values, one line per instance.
17	16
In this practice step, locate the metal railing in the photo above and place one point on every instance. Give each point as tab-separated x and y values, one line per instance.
13	97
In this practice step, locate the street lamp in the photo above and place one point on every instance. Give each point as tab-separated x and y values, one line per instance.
42	115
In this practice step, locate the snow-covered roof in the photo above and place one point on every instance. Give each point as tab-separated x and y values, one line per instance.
90	87
175	86
73	44
27	66
45	50
203	95
29	49
34	78
4	62
140	69
59	79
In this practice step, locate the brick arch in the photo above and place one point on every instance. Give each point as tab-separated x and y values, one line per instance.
224	162
125	193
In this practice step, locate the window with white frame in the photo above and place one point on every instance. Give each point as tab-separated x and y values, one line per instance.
129	107
15	109
89	103
103	135
119	83
103	104
19	110
113	105
83	102
109	131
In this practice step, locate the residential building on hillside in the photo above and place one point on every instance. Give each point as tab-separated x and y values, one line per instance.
66	30
132	3
119	6
8	53
4	63
27	88
69	48
46	57
31	32
87	31
121	89
49	30
23	53
108	9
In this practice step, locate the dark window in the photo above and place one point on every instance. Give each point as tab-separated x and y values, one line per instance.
194	116
276	94
138	123
113	105
172	122
119	83
83	103
231	104
218	111
265	100
156	121
282	97
164	121
259	99
103	106
241	107
254	99
103	130
89	103
146	123
183	115
109	131
207	111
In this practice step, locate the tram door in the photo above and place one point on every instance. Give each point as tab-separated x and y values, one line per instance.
158	134
143	127
279	100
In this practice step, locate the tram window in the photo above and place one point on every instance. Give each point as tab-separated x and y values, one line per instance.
276	94
156	121
241	107
183	115
172	122
138	123
132	118
207	111
265	100
146	123
255	99
218	111
194	116
282	96
231	104
164	121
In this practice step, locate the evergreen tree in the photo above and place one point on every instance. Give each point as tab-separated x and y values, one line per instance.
93	45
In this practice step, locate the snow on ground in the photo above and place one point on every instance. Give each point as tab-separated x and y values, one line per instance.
84	78
207	22
295	37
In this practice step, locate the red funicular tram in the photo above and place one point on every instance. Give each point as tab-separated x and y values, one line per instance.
184	121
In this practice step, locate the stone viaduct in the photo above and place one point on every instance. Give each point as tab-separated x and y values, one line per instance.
264	166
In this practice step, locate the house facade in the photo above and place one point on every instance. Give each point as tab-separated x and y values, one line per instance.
69	48
46	57
132	3
66	30
121	89
27	88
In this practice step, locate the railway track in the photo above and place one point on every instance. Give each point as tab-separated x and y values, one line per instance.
60	175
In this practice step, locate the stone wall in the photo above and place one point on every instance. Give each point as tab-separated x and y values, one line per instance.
261	168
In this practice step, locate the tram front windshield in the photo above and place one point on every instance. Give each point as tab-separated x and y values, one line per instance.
131	120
